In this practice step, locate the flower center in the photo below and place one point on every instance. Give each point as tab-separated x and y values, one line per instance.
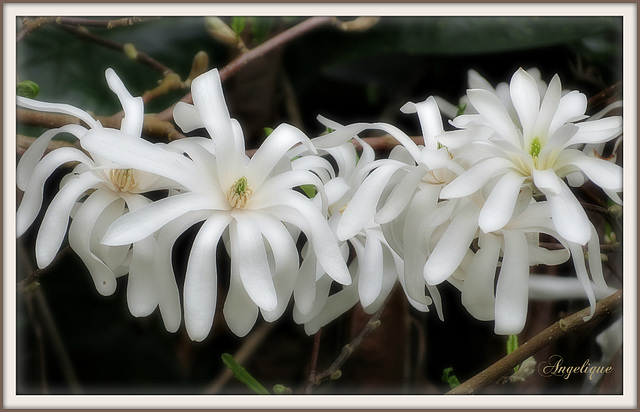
239	193
123	179
536	145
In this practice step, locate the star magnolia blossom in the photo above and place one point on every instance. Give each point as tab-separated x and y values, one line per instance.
251	199
539	148
94	194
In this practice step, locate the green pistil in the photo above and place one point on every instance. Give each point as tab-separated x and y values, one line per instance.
240	186
535	147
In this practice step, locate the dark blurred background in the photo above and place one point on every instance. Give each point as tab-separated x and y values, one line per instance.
72	340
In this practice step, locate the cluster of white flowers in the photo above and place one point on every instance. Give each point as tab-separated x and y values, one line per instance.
302	216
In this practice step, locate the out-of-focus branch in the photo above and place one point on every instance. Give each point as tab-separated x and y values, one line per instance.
606	308
32	24
242	60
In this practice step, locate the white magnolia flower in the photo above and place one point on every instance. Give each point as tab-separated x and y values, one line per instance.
249	199
538	148
94	194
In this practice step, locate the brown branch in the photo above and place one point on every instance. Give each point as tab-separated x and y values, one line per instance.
36	274
606	308
314	362
30	25
242	60
128	49
609	92
604	247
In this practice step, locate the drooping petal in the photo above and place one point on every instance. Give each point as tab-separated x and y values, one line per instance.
143	222
550	288
453	245
477	176
56	219
240	312
201	280
29	160
133	107
371	271
253	264
547	181
400	195
526	100
58	108
603	173
168	294
569	217
581	271
478	294
430	120
80	238
304	292
492	109
512	290
499	207
598	131
33	195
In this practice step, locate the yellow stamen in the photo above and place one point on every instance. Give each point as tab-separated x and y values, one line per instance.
239	193
123	179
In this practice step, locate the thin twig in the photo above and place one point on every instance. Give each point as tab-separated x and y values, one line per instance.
29	25
606	308
37	274
128	49
333	371
242	60
249	346
314	362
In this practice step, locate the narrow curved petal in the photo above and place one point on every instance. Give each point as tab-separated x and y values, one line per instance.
547	181
512	289
476	177
571	107
453	246
581	271
598	131
272	150
168	294
58	108
253	264
492	109
186	117
568	216
80	238
603	173
201	280
548	109
499	207
33	195
400	195
430	120
478	294
526	100
142	294
56	219
240	312
363	204
595	259
304	292
143	222
133	106
371	273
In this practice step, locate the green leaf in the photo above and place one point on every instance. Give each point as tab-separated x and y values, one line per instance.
309	190
267	131
447	377
237	25
243	376
28	89
260	27
461	108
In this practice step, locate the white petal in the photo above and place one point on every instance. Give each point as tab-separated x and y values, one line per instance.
142	294
550	288
186	117
569	217
80	237
581	271
32	199
598	131
476	177
526	100
512	290
371	271
400	196
305	289
572	105
56	219
430	120
595	260
168	294
478	287
133	106
201	280
272	150
492	109
362	206
253	265
140	154
498	209
548	110
453	245
240	312
143	222
547	181
603	173
58	108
